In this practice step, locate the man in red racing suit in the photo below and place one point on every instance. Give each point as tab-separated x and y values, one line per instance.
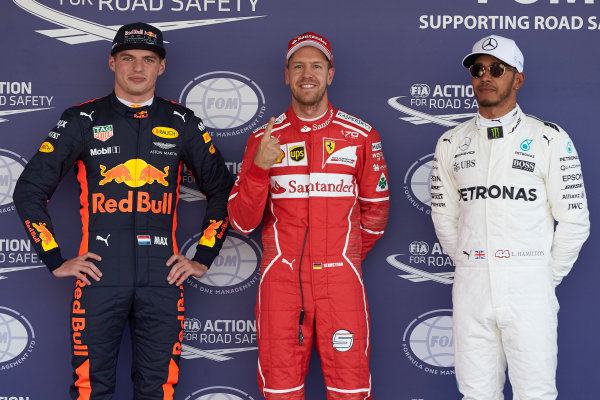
322	176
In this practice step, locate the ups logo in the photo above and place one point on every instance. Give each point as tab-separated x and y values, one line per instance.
297	153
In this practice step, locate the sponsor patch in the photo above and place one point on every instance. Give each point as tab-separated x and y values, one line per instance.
164	146
382	185
313	185
344	156
103	133
292	154
143	240
528	166
211	149
48	242
208	238
526	144
141	114
329	146
206	137
342	340
164	132
297	153
495	133
46	147
354	120
105	150
376	146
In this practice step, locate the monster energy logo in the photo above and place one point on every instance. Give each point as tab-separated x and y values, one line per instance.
495	132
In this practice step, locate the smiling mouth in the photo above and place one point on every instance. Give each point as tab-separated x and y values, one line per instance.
307	85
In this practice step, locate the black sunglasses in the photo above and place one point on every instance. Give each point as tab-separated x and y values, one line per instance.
496	69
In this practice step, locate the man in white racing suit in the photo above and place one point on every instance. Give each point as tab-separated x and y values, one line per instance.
499	182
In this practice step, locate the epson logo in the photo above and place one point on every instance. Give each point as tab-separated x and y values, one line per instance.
551	1
571	177
523	165
105	150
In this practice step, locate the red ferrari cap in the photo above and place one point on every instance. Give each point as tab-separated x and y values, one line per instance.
309	39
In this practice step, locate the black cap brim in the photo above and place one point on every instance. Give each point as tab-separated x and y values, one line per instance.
162	53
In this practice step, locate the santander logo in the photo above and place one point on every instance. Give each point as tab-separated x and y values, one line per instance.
313	185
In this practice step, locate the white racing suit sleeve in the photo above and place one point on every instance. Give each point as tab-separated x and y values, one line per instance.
444	197
568	202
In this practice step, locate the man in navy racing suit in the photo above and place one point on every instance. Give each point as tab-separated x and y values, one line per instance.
128	149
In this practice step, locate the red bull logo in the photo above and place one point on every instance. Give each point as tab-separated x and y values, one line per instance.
101	204
46	236
208	239
141	114
134	173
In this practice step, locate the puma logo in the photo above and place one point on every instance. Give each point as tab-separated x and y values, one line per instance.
291	264
87	115
548	140
98	237
182	116
467	254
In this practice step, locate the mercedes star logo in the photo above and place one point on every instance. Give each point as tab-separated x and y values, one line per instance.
489	44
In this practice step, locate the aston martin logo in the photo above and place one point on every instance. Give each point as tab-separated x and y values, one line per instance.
78	30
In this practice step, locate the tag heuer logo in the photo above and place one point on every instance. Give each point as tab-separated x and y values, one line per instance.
297	153
103	133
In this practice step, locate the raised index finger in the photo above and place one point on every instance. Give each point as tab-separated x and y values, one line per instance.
268	129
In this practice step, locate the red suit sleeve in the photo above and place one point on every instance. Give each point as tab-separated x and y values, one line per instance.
373	194
250	191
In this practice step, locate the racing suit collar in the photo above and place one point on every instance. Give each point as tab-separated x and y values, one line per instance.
132	112
310	126
509	123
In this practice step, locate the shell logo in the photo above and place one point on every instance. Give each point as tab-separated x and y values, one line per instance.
46	147
164	132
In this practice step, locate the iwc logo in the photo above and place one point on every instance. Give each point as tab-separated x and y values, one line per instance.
17	339
428	344
235	269
219	393
230	104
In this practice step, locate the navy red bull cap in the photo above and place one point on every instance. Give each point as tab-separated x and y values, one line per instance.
309	39
139	36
